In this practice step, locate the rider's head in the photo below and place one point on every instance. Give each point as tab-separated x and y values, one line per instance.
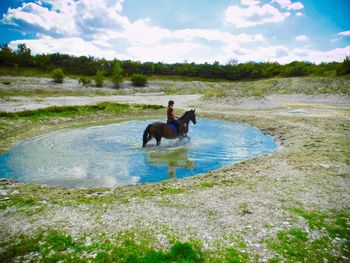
170	103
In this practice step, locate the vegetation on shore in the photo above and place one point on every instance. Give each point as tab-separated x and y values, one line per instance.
10	86
89	66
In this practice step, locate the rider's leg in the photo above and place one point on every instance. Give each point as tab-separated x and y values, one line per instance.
178	125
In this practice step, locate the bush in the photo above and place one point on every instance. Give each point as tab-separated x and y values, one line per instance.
99	79
58	75
84	81
6	82
139	80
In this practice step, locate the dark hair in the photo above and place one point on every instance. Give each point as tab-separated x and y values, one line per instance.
171	102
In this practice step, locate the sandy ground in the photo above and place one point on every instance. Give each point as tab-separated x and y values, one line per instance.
20	103
248	201
30	103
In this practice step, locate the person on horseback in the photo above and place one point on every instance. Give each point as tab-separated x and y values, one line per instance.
171	116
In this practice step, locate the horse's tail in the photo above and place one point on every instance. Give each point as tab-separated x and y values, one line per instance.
145	135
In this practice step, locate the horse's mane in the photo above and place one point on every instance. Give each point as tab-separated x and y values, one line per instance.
184	115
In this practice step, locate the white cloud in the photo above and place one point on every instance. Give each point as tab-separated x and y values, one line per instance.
70	45
249	2
295	6
302	38
170	53
344	33
254	14
265	53
287	4
299	14
282	3
216	35
301	52
337	54
40	19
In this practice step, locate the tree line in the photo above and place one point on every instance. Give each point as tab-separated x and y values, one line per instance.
90	66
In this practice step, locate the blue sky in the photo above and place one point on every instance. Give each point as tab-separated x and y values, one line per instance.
182	30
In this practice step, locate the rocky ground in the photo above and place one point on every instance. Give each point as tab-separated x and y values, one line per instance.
266	207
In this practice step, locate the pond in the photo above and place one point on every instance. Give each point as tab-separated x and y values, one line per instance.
112	155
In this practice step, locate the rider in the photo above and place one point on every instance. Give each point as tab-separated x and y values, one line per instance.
171	116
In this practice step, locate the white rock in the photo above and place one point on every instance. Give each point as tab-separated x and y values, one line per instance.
3	192
325	166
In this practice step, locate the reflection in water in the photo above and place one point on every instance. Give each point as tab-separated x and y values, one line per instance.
172	158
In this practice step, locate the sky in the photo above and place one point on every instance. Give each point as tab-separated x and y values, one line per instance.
172	31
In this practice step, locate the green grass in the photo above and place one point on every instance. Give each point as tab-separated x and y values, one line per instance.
69	111
26	72
51	92
130	246
215	92
330	241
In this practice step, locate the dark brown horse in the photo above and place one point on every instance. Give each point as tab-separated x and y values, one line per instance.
158	130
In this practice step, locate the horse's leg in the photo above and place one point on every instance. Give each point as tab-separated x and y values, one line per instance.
158	138
149	138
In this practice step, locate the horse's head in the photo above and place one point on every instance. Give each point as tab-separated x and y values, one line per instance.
192	114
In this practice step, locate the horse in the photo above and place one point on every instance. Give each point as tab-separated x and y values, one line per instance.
159	129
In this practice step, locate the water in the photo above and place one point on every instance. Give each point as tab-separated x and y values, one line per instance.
111	155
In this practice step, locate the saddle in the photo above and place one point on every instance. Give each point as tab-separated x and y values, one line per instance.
173	127
175	130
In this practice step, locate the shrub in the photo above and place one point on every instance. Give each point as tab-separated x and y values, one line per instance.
99	79
139	80
6	82
58	75
84	81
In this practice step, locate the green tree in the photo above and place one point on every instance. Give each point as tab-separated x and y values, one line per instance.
58	75
99	78
344	68
24	56
117	76
7	56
